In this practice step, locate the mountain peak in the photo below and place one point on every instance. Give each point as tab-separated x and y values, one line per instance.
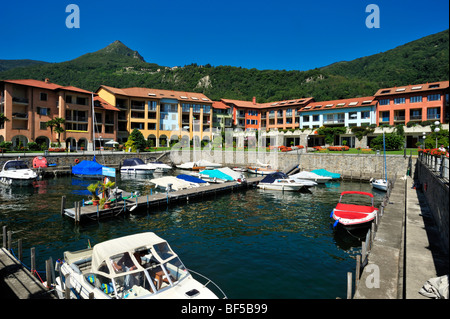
119	48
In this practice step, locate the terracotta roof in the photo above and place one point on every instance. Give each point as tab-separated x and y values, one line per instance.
158	94
101	103
337	104
412	88
46	85
220	105
249	104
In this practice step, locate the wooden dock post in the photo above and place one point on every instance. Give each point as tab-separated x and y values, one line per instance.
349	285
63	204
4	237
33	259
357	273
19	249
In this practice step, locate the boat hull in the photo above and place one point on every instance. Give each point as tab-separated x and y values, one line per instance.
380	184
5	180
261	171
278	187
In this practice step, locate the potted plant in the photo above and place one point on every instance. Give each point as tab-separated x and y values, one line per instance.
105	188
93	189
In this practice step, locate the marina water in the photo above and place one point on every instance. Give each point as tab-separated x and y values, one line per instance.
254	244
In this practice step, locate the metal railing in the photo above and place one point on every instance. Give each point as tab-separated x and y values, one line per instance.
437	164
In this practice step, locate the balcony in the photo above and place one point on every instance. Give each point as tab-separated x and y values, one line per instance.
384	119
399	118
20	100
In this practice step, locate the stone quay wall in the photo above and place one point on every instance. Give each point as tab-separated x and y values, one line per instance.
436	191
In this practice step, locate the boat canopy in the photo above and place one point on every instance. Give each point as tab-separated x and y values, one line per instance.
215	173
102	252
305	174
324	172
88	168
133	162
177	183
273	177
191	179
228	171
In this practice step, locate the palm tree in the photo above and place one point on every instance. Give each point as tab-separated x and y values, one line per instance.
56	123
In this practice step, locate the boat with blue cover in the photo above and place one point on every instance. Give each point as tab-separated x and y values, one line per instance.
88	169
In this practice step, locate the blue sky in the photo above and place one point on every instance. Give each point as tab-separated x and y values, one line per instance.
264	34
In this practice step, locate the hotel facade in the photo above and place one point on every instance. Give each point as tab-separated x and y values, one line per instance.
165	116
29	104
160	115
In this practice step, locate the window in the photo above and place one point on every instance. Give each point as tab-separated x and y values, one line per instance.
433	113
81	101
185	107
384	116
305	118
152	105
316	118
43	97
384	102
289	112
365	115
68	98
138	125
206	109
43	125
415	99
43	110
399	100
434	97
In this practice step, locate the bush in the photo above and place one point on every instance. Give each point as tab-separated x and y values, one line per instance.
393	142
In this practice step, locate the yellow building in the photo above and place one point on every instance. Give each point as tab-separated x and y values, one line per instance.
160	115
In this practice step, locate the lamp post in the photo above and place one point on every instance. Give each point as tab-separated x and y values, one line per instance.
436	130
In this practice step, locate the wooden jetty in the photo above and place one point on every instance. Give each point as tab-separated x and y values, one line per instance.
16	281
89	212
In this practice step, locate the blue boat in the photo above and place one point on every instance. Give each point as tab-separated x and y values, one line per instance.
191	179
88	169
325	173
215	176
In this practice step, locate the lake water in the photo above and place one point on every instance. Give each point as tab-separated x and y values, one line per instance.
254	244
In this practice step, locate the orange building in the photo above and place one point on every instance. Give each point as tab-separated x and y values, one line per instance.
30	104
412	103
274	115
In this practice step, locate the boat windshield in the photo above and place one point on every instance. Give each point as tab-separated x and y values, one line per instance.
141	273
15	165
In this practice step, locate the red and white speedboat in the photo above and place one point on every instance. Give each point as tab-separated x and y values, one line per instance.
353	216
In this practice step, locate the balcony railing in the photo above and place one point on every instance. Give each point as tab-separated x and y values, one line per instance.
399	118
20	100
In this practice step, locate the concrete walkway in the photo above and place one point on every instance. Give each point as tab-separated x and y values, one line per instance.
406	251
424	256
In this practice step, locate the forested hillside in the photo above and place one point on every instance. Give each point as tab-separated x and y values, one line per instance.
420	61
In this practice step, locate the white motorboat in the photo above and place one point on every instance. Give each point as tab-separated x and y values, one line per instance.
279	181
261	170
136	166
139	266
198	165
16	172
380	184
311	177
160	167
305	182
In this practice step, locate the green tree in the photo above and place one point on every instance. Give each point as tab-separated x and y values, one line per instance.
139	142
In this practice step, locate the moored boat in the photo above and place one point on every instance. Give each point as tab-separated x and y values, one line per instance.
136	166
311	176
352	215
139	266
281	182
160	167
16	172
